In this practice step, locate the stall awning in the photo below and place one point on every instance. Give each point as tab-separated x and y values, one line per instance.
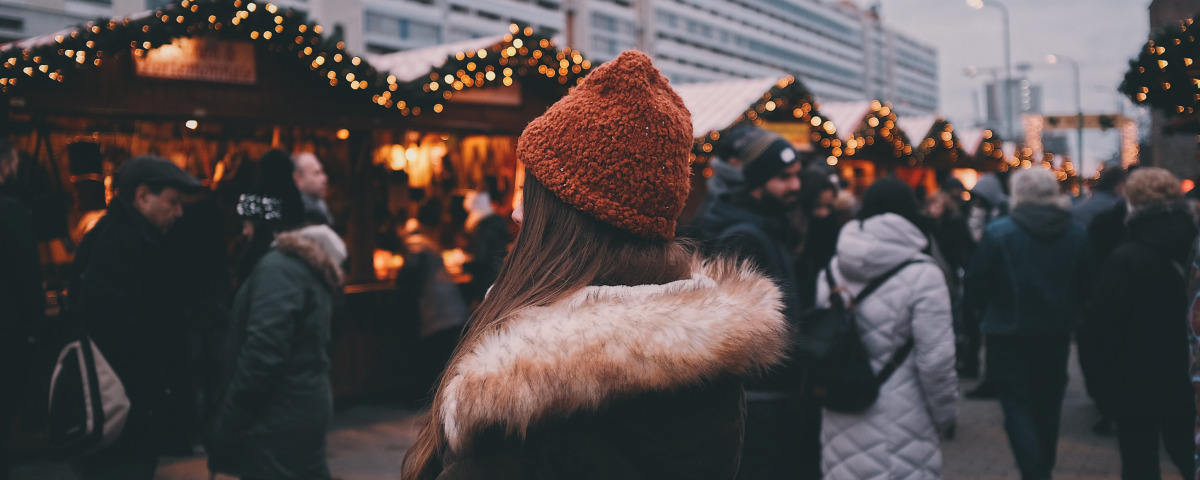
917	128
847	117
415	64
717	105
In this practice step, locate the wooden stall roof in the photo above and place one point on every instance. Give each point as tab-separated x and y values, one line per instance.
717	105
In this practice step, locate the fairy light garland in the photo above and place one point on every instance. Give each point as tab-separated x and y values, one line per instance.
522	53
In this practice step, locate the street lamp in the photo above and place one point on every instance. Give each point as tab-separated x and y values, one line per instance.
1008	100
1053	60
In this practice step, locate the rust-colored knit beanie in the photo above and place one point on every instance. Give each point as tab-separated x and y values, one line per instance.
616	147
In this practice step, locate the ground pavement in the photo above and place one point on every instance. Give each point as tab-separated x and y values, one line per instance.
368	443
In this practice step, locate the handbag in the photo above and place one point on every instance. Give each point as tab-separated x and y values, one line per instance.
88	404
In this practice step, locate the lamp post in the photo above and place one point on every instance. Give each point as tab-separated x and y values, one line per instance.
1054	59
1008	100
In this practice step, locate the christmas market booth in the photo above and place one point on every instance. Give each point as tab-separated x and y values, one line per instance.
214	84
783	105
873	144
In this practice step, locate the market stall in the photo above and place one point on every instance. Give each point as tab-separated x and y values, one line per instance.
873	143
214	84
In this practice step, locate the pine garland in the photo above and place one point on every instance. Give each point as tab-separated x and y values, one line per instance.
1163	74
289	32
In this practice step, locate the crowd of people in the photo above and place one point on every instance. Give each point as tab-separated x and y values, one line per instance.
614	340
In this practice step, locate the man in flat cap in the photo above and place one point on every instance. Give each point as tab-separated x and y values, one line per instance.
123	294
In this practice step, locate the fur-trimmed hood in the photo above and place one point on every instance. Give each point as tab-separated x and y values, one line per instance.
603	344
318	246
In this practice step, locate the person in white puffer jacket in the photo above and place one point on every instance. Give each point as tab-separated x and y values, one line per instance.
898	437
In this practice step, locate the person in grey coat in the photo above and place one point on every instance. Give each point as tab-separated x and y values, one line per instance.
898	436
277	405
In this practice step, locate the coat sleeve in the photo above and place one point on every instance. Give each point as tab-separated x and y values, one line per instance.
933	338
978	283
278	297
1109	306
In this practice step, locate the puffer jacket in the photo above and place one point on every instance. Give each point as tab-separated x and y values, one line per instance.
897	437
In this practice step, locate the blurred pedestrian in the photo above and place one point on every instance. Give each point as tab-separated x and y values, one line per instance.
1029	276
897	437
754	221
820	229
312	182
122	293
428	293
1107	192
488	244
1133	321
272	205
277	403
605	349
989	202
21	295
1104	215
948	228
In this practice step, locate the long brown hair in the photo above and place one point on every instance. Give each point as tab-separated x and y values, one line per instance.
559	251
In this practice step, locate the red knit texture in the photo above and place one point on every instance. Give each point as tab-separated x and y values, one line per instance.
616	147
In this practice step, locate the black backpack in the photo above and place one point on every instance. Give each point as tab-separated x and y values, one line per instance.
839	372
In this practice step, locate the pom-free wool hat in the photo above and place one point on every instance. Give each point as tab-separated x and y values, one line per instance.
616	147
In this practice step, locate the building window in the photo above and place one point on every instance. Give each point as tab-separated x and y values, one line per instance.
153	4
10	23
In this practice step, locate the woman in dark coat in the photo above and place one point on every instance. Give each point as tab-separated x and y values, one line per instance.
605	349
1136	318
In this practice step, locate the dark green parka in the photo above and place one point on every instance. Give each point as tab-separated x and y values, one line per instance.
278	402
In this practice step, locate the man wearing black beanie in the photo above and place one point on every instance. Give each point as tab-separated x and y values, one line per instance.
750	220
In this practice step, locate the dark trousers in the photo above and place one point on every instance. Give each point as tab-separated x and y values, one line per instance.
14	355
120	462
782	440
1139	446
1031	373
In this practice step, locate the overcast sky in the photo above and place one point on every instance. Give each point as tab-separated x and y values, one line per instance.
1101	34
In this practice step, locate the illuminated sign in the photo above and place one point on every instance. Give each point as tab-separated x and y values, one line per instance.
205	59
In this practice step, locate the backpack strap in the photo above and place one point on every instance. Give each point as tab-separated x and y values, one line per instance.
890	367
880	280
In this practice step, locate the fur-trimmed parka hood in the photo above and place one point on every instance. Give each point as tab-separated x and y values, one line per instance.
603	344
319	247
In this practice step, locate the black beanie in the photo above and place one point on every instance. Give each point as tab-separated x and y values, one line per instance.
891	195
763	154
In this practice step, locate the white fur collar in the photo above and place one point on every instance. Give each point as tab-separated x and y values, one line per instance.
605	343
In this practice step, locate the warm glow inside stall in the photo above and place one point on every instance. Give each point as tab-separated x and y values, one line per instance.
214	84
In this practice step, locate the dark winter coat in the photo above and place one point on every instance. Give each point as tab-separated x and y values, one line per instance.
737	225
639	382
1136	317
1100	201
125	296
278	403
1029	274
20	273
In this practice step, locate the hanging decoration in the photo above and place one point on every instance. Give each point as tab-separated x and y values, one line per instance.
941	148
1164	75
880	139
287	31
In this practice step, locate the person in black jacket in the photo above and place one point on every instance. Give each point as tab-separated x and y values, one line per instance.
124	296
20	294
753	221
1136	322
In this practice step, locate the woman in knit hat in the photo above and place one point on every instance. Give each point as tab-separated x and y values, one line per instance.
605	349
1134	322
272	205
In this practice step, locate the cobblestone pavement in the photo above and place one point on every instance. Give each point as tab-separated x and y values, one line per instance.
368	443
